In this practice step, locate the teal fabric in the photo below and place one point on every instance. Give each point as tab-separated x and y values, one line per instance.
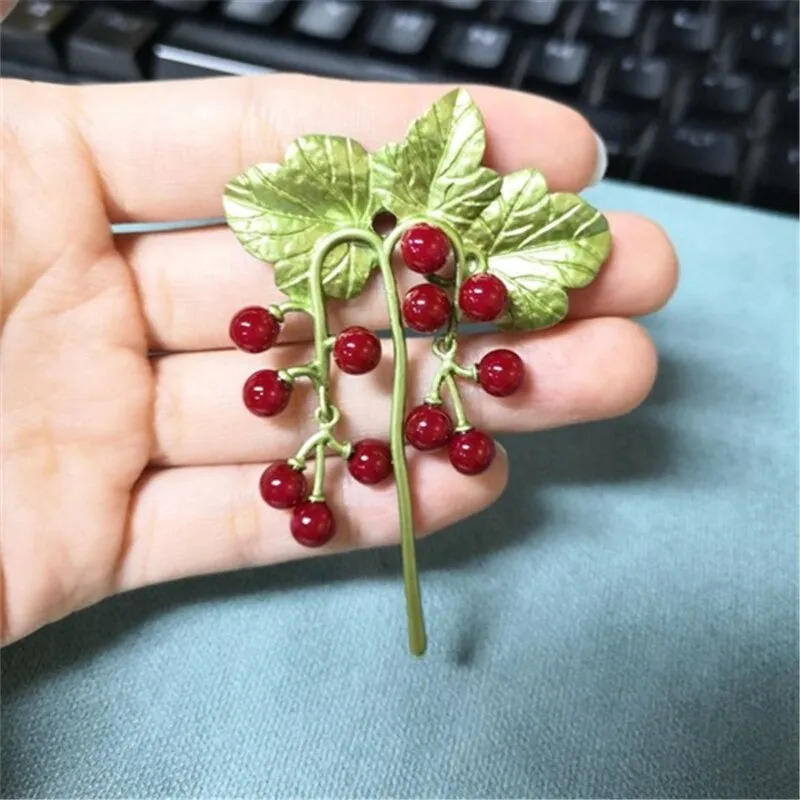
623	623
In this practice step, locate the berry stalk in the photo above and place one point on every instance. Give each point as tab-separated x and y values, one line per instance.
318	492
462	423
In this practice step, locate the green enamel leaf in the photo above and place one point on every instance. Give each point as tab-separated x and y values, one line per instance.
539	245
436	171
280	213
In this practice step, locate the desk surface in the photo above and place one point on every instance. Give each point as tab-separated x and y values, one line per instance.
623	623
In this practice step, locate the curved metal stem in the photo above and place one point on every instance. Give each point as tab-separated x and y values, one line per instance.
384	249
280	310
417	639
305	450
301	371
323	341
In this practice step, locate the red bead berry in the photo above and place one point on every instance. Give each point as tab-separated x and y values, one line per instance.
312	524
424	248
254	329
428	427
500	372
426	308
283	486
357	350
483	298
265	394
471	452
371	461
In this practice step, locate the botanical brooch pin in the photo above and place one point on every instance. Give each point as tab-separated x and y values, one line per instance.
488	248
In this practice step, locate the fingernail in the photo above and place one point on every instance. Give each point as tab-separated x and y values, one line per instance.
601	162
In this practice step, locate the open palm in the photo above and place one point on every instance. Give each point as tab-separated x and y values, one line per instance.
122	468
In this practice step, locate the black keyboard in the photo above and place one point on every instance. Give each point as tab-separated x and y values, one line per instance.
700	97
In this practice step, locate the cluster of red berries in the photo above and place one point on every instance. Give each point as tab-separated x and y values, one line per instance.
427	307
255	329
284	486
471	451
356	351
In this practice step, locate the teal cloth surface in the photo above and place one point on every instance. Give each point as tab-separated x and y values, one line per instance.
623	623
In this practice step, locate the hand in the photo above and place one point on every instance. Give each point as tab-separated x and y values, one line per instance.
120	468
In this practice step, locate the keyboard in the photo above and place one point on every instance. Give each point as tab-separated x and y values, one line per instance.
698	97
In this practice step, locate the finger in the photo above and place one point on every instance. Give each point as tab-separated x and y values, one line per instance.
195	520
165	151
577	371
192	282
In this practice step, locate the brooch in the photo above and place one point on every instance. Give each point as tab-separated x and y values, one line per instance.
487	248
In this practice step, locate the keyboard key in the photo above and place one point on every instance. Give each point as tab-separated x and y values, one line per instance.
616	19
110	43
770	44
32	72
462	5
786	108
534	12
725	93
616	128
768	6
781	167
327	19
194	48
255	12
690	30
558	62
184	5
29	32
402	32
478	47
640	77
698	149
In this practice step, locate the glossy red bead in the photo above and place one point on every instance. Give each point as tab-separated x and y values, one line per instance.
426	308
471	452
428	427
312	524
371	461
265	394
254	329
357	350
500	372
424	248
483	298
283	486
